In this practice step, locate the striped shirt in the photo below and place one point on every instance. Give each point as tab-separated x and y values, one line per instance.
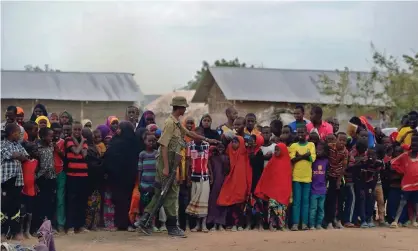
338	160
76	163
147	168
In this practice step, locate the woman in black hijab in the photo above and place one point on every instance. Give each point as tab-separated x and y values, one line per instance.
206	123
39	110
121	163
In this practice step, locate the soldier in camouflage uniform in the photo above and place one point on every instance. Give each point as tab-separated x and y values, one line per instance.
171	143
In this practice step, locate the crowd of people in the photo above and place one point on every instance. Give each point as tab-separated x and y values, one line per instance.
307	175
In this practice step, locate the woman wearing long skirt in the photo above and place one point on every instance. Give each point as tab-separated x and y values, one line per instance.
219	162
121	164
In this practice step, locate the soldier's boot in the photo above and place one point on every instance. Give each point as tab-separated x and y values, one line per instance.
142	224
173	229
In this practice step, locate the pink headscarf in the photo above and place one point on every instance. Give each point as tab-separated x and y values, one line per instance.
109	121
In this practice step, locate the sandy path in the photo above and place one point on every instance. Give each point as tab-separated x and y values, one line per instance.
380	239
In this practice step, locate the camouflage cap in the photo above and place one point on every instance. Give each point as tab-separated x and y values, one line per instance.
179	101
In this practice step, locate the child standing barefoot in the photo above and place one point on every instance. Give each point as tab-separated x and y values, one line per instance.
257	166
338	160
407	164
395	191
29	169
96	174
59	152
146	174
219	163
199	175
46	178
275	186
12	156
236	187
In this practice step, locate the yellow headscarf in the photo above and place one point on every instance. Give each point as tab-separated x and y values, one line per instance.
48	124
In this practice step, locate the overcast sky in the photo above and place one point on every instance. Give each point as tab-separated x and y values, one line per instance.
164	43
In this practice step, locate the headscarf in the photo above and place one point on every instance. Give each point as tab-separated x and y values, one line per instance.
365	122
209	132
53	114
48	124
85	121
70	117
19	110
121	157
276	181
110	119
237	184
45	237
259	142
151	127
187	138
104	130
44	112
143	121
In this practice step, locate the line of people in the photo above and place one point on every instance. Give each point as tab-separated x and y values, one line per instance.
59	169
305	175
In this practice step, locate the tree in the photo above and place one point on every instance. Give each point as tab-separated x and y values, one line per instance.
398	86
194	83
36	68
400	81
338	90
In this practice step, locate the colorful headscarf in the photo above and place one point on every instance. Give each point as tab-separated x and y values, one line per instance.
70	117
43	109
151	127
365	122
48	124
19	110
187	138
104	130
276	181
110	119
143	121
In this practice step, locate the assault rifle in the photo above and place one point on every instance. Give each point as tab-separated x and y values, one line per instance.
165	186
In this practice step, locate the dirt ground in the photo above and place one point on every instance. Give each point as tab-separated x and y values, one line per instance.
326	240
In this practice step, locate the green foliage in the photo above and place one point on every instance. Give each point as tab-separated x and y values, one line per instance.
399	82
338	89
36	68
200	74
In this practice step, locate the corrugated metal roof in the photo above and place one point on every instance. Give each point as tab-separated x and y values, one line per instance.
80	86
271	85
